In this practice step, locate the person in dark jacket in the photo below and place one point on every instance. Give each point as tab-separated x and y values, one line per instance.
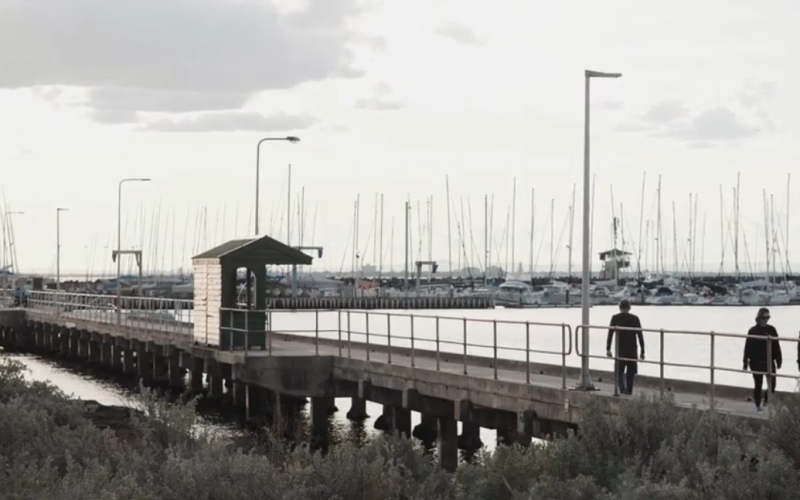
628	330
759	357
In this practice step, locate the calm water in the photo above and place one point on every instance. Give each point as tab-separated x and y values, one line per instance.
83	383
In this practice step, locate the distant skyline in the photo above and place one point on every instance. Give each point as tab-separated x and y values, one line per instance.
389	98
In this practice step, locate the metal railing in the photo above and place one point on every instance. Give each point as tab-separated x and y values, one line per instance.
441	343
484	347
150	313
712	348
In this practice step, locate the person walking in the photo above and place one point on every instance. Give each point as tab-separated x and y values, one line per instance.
758	357
628	329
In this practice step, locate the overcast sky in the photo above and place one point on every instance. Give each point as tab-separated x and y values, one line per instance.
391	97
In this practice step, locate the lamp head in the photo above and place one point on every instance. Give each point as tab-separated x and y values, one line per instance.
599	74
293	139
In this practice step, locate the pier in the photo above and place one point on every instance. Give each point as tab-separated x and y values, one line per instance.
264	360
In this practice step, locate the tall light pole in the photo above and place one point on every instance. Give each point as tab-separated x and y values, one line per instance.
6	223
119	244
586	379
291	139
58	246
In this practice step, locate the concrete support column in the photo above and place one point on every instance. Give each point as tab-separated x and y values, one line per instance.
128	361
106	353
160	373
470	438
393	419
94	351
358	410
254	400
63	340
198	366
214	377
74	343
83	347
143	365
427	430
448	444
320	411
239	394
226	377
116	357
175	371
52	340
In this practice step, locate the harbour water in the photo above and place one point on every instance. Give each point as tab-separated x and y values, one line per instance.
83	383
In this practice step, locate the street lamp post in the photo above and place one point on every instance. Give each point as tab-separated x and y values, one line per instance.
291	139
119	245
58	247
586	379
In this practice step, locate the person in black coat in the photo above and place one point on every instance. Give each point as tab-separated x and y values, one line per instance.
761	358
626	368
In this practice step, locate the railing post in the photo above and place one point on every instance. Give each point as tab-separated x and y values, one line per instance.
367	334
246	330
528	351
661	360
465	346
316	331
339	326
349	353
713	389
412	343
494	347
437	344
389	337
769	371
564	334
270	331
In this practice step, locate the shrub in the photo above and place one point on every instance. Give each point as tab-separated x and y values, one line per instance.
653	451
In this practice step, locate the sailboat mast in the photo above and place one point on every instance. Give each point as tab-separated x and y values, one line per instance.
736	225
703	245
485	239
721	231
641	220
530	257
788	191
449	239
571	229
674	239
659	251
380	249
552	234
513	224
289	207
766	228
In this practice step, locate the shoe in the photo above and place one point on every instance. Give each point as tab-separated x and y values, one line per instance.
758	409
765	403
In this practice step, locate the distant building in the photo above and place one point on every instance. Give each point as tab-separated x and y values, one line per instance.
614	261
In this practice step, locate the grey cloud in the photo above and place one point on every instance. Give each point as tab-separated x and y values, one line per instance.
459	33
379	101
716	124
113	116
167	101
232	121
172	56
665	111
194	45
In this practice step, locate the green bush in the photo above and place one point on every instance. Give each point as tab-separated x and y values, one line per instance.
653	451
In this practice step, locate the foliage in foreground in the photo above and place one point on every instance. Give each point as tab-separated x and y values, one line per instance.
48	450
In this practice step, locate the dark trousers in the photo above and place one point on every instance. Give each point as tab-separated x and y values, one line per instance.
626	371
758	383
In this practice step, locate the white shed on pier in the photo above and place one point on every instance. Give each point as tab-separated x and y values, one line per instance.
220	318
